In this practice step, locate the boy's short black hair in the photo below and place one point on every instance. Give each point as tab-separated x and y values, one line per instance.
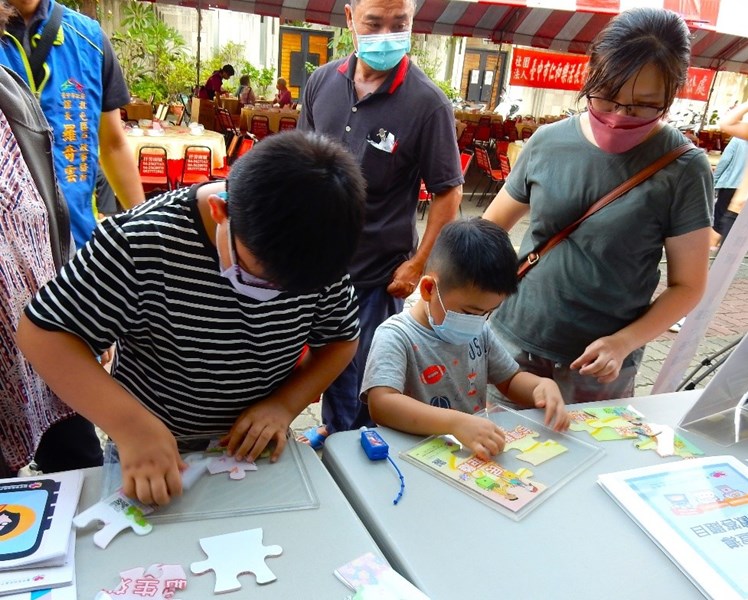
296	201
476	253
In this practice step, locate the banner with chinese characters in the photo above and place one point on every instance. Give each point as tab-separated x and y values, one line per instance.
550	70
698	84
559	71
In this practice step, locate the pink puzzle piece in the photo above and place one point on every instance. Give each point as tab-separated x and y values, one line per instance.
157	582
228	464
232	554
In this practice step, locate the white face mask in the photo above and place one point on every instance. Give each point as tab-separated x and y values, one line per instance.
243	282
457	328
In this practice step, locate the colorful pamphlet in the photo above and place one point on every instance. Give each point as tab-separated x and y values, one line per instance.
36	519
371	577
696	511
536	461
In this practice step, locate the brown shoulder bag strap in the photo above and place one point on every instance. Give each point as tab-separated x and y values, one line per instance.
533	257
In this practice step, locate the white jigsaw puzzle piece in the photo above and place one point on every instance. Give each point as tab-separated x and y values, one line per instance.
117	513
233	554
228	464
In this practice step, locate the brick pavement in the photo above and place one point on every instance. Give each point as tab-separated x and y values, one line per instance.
729	324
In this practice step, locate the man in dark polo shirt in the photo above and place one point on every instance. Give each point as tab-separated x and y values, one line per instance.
400	126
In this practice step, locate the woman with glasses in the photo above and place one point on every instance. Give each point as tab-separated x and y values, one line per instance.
583	313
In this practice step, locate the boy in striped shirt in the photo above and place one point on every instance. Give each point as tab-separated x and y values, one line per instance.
210	294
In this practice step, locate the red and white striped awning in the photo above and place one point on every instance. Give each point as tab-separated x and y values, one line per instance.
719	27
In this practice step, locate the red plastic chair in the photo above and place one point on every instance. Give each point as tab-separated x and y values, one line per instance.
152	168
467	136
506	168
259	126
424	198
197	165
245	146
286	123
494	176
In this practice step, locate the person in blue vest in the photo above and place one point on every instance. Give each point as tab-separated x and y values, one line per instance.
80	88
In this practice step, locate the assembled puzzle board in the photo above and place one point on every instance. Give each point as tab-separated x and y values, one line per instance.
535	463
272	487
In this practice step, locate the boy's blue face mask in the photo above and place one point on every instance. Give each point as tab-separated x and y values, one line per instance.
383	51
457	328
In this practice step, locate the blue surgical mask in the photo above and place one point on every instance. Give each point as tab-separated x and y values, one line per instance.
457	328
383	51
243	282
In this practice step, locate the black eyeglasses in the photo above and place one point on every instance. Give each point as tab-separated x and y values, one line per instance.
645	111
256	281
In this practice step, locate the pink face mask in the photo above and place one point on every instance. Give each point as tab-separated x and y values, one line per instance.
616	133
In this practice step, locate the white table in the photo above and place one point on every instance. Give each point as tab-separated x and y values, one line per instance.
314	542
577	545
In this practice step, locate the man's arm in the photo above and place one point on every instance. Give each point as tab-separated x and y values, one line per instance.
268	420
443	209
733	124
118	161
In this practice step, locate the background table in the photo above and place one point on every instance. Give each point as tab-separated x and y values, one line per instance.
474	117
577	545
273	114
513	150
315	542
175	140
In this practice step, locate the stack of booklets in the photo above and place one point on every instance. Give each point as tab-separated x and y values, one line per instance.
37	543
696	511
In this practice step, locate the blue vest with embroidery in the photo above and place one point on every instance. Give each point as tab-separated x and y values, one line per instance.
70	96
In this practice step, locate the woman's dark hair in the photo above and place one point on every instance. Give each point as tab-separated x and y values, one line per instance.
630	41
296	201
474	253
228	69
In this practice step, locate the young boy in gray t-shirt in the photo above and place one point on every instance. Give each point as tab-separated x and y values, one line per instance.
428	368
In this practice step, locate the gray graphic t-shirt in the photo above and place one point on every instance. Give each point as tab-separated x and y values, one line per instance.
408	357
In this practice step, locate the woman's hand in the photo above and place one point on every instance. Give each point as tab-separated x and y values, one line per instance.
602	359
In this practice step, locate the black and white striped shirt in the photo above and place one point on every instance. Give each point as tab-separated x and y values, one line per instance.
190	348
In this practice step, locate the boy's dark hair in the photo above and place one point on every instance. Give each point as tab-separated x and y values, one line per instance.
474	253
633	39
228	69
296	201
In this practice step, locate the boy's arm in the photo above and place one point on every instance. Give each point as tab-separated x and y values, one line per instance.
268	420
390	408
532	391
149	457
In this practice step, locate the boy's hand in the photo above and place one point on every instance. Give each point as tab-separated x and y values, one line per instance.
150	463
547	395
480	435
262	423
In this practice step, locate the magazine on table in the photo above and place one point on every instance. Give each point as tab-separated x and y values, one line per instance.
36	519
696	511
